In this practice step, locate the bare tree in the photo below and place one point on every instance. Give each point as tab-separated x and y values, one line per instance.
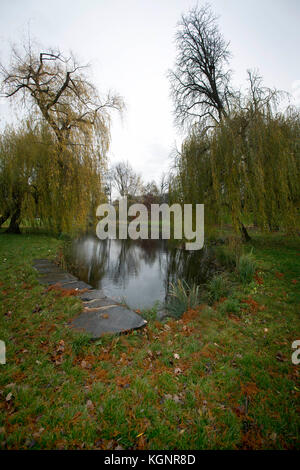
200	80
126	180
57	87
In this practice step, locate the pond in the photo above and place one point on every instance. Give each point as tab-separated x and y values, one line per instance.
137	272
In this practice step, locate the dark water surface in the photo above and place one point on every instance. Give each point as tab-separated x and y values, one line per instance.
138	272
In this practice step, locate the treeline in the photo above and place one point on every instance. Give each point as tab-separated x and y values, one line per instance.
241	156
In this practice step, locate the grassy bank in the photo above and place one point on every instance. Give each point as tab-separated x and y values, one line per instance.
220	377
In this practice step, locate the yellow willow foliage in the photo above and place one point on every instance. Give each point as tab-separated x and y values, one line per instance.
57	186
255	171
245	170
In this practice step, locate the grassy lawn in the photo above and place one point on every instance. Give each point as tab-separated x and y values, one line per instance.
219	378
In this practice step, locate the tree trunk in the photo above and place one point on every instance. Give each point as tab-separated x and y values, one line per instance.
245	235
4	217
14	222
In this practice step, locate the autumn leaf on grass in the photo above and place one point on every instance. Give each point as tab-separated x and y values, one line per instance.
9	396
76	416
280	357
279	275
85	365
249	389
90	405
123	382
57	357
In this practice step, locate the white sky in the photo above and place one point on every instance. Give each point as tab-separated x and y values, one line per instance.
130	44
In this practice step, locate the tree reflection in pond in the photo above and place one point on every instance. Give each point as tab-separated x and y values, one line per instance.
137	271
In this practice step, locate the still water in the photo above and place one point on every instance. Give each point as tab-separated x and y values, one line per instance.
138	272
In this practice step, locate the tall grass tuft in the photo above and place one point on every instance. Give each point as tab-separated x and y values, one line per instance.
182	297
217	287
246	267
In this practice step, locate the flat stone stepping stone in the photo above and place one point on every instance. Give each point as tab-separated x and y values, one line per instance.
99	303
101	315
111	320
42	262
45	269
92	295
55	278
79	285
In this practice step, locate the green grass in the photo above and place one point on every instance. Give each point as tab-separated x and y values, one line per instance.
181	298
219	378
246	267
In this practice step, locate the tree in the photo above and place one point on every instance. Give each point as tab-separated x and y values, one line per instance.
200	80
33	188
247	169
56	89
126	180
150	194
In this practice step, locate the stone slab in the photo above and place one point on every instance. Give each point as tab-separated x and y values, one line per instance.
43	262
98	303
94	294
55	278
75	285
48	269
109	321
101	315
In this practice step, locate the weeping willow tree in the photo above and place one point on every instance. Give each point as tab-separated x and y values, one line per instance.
57	89
245	169
255	163
36	191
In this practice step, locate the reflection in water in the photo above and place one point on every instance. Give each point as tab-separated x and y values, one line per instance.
137	271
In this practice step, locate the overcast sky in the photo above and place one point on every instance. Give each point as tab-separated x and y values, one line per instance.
130	44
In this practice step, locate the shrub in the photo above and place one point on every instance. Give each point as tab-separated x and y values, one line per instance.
181	298
246	267
217	287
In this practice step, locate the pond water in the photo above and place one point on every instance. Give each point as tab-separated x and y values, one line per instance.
138	272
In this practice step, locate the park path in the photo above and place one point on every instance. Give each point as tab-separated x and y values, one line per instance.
100	315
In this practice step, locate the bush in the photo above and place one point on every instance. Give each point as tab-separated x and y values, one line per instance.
217	287
246	267
182	297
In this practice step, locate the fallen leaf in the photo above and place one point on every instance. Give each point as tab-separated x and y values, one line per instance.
90	405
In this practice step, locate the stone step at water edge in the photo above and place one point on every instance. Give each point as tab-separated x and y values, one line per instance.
78	285
43	262
55	278
99	303
111	320
92	295
101	315
51	269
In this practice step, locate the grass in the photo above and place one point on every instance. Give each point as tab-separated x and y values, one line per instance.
246	267
182	297
217	287
220	377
